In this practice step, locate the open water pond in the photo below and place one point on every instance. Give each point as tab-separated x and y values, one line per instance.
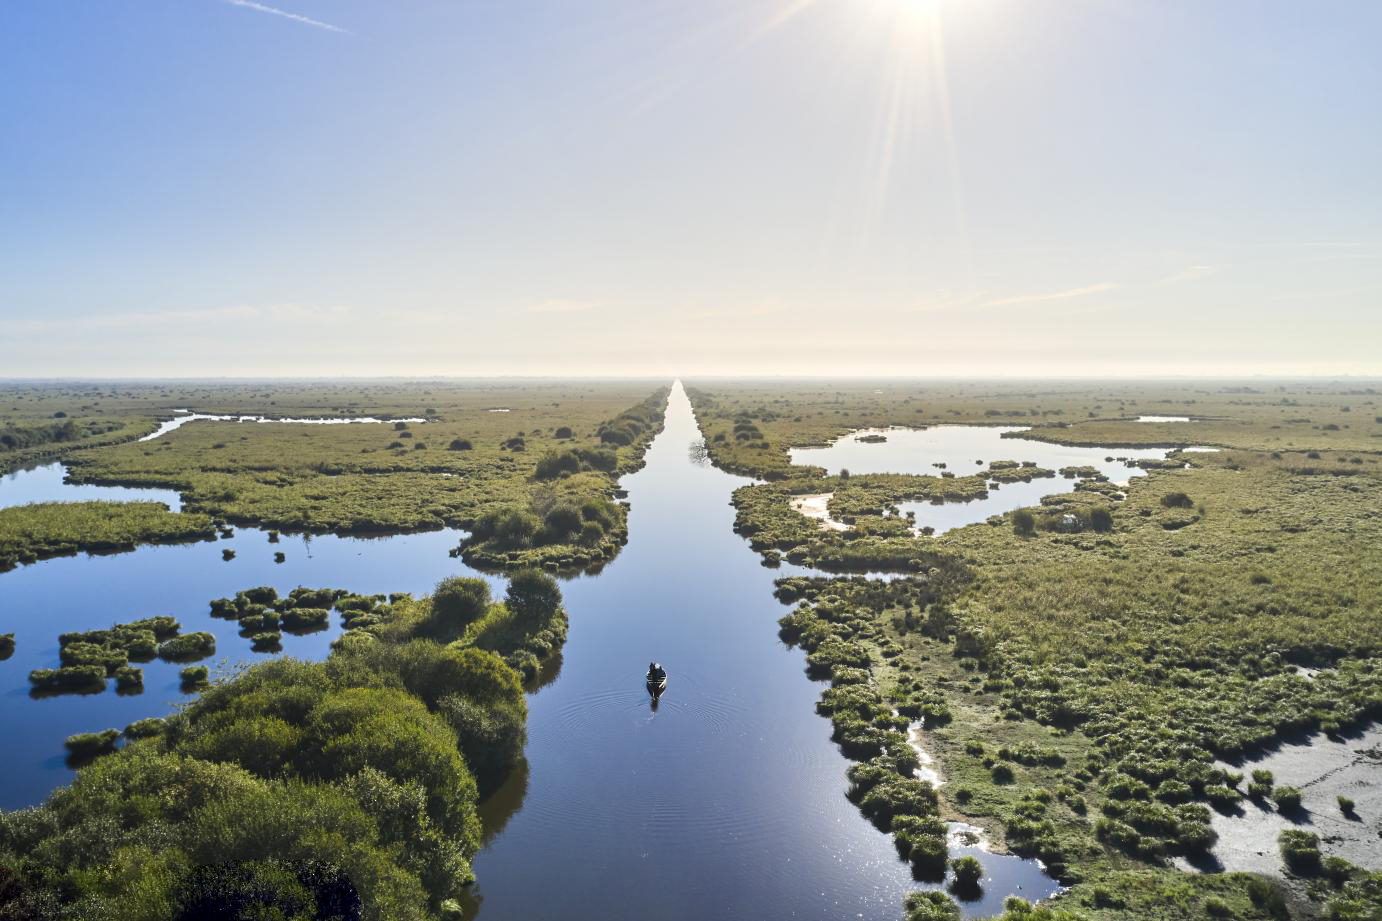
725	801
48	483
966	450
185	416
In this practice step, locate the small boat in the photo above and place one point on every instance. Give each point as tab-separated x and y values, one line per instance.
656	686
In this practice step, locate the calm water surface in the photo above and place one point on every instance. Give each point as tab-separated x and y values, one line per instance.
965	450
726	801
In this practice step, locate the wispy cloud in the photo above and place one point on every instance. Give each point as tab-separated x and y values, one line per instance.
295	17
210	318
1052	295
1189	273
561	306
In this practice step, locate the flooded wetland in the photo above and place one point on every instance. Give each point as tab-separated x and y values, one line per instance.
739	792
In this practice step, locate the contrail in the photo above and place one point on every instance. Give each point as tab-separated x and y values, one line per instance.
305	20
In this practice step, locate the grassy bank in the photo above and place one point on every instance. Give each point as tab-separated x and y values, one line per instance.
42	530
300	790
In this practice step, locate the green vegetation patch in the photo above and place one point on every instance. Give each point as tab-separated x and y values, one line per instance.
47	529
298	784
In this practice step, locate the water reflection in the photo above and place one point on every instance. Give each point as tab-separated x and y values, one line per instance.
964	450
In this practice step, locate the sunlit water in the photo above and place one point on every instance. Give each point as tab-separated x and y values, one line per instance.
726	801
966	450
186	416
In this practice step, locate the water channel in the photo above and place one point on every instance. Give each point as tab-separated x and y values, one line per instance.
726	801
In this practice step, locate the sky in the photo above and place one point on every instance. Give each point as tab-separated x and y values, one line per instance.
701	187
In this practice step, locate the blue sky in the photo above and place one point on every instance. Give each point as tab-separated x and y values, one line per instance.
918	187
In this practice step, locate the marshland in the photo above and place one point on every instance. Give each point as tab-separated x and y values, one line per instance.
890	460
931	712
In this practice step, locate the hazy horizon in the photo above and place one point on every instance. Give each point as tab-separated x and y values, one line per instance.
784	188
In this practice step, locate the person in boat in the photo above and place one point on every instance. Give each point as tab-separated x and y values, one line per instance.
655	672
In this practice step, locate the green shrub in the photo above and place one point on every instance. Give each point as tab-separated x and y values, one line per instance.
91	744
456	603
928	854
264	594
187	647
146	728
968	872
1100	519
268	641
1024	522
129	680
1177	500
1222	797
555	463
1300	849
533	596
1287	799
1347	806
193	676
930	906
106	657
82	679
259	622
561	523
1268	898
1216	907
6	646
306	619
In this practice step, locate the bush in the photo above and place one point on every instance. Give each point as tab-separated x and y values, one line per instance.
533	596
930	906
82	679
563	431
1024	522
1216	907
264	594
6	646
968	872
510	529
1267	898
259	621
91	654
1222	797
1002	773
187	647
146	728
1177	500
129	679
561	522
1100	519
268	641
554	463
928	854
1287	799
460	444
1300	849
457	602
91	744
491	736
1347	806
306	619
193	676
